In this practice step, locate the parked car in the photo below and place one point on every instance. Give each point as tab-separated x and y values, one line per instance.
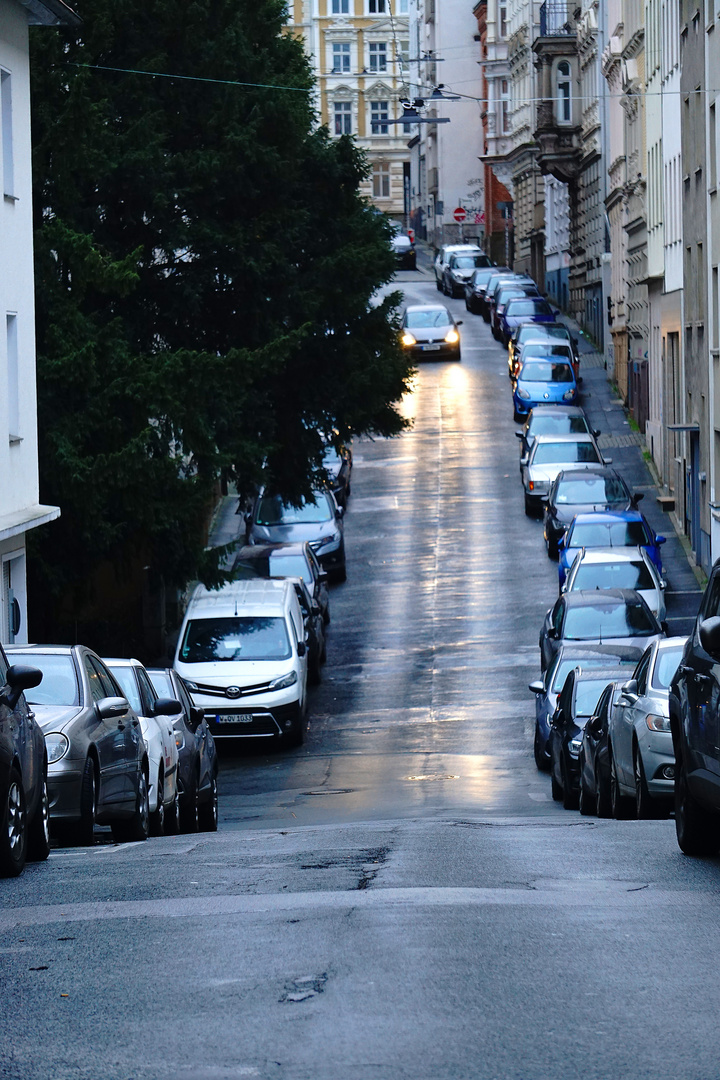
197	755
430	331
155	714
475	287
459	270
534	309
619	568
694	706
97	758
553	420
314	630
24	805
243	657
502	284
444	255
611	617
608	528
512	291
404	249
317	520
337	463
549	455
594	759
571	494
576	703
530	333
501	276
546	689
286	560
640	750
550	379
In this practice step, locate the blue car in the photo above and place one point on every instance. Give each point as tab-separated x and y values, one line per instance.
521	310
544	380
608	528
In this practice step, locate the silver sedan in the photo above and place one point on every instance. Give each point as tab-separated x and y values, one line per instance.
619	568
551	454
642	762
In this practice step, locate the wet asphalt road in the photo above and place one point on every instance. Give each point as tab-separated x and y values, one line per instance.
400	898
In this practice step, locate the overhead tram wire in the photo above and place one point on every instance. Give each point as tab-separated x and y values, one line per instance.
188	78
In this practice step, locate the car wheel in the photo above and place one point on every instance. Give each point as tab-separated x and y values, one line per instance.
645	806
83	832
39	831
13	827
621	807
438	286
315	672
340	575
208	811
137	828
570	797
555	788
541	760
529	508
157	817
326	615
552	549
698	831
586	802
602	795
172	817
189	809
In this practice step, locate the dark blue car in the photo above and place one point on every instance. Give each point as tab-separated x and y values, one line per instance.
610	528
527	309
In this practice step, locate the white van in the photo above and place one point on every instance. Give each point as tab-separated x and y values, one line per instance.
243	654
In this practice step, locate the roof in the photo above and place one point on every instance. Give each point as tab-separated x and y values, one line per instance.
122	661
612	554
261	593
603	471
426	307
605	517
558	410
50	13
579	436
593	597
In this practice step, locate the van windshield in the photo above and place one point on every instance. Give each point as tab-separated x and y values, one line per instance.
245	637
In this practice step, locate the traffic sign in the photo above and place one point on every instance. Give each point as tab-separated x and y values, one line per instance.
459	214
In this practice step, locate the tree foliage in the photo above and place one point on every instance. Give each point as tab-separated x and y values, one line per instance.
205	266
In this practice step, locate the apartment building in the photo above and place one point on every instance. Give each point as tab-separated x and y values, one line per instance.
359	50
492	23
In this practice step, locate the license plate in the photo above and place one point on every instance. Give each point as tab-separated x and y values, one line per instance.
430	348
234	718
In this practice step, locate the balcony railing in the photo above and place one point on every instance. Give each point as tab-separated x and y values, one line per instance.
555	19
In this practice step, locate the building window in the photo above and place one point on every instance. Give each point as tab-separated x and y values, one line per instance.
381	181
377	7
404	55
341	7
343	117
504	106
379	117
563	92
402	7
340	58
378	56
7	133
13	379
502	20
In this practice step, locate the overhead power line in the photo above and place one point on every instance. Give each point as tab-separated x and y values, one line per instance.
190	78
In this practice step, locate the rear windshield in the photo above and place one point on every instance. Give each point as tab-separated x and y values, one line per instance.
290	566
161	684
546	348
59	684
594	489
481	277
556	453
587	695
618	534
546	371
528	307
557	425
595	622
665	666
620	575
420	319
273	511
565	667
244	637
128	685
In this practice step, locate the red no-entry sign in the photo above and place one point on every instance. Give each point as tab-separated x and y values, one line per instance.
459	214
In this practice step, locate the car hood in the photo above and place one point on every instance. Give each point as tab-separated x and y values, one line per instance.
639	643
538	473
565	512
545	391
430	333
242	673
290	534
55	717
462	275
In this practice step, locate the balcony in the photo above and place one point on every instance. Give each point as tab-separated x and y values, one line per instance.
559	145
555	20
558	131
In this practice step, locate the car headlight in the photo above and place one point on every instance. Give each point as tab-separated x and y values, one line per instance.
57	746
329	539
522	393
569	395
284	681
657	723
574	746
408	339
452	337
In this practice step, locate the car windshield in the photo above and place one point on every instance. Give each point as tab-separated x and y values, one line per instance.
481	277
666	665
290	566
162	683
467	262
273	511
587	694
128	685
557	425
593	489
607	534
505	295
565	666
546	371
601	620
59	684
559	332
609	575
243	637
331	458
434	317
545	348
519	308
557	453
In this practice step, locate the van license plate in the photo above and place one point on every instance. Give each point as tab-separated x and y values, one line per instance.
234	718
430	348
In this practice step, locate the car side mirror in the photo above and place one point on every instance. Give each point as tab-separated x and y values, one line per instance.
563	540
322	576
167	706
710	636
629	690
197	715
607	461
301	648
660	539
247	518
596	433
19	677
637	497
596	727
458	322
536	687
340	512
524	460
518	434
552	632
111	708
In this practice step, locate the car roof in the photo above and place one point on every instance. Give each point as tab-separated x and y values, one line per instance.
255	595
265	551
578	436
426	307
122	661
601	555
605	517
671	642
603	471
461	247
590	597
55	650
557	410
